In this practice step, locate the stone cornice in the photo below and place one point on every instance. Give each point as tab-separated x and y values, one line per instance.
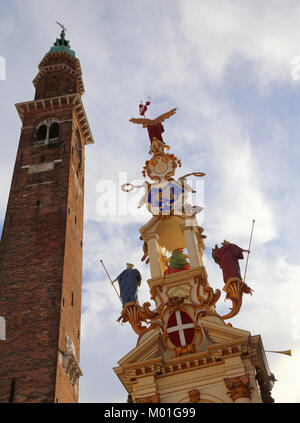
52	103
215	355
61	53
247	348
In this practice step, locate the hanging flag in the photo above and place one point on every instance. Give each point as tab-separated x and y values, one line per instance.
143	107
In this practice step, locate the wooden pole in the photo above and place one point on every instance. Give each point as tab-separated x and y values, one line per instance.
253	221
110	279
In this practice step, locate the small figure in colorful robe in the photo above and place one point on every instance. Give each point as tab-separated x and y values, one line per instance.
177	262
228	257
129	281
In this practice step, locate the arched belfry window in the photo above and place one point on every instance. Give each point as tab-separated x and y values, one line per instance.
47	132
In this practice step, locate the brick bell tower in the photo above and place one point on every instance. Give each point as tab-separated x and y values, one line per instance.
41	245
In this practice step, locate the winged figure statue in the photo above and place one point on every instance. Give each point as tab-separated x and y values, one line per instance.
154	126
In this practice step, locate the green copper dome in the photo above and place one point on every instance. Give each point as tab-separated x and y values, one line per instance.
62	45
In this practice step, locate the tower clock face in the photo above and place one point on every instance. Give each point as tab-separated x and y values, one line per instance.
165	198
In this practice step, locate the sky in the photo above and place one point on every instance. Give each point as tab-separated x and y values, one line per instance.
232	69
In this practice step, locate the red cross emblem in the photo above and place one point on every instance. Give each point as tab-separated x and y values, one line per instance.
180	328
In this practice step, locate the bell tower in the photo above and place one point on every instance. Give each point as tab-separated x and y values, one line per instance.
41	244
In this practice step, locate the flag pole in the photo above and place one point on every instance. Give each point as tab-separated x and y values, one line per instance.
253	221
110	279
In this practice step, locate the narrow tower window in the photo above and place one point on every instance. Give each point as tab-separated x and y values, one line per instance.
12	390
78	146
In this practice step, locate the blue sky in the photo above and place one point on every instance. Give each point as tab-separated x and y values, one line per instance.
227	67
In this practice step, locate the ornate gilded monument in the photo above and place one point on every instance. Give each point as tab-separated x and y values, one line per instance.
186	351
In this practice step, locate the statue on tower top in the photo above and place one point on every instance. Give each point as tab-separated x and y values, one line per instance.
154	126
62	27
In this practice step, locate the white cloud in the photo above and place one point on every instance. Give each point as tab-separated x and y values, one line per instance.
273	312
238	191
223	32
286	370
